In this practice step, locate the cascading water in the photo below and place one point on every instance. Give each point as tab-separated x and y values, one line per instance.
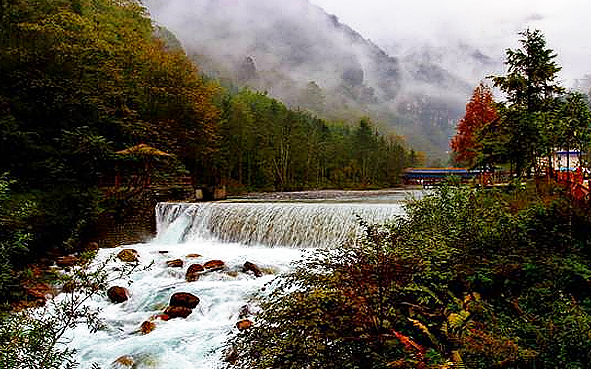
270	224
270	235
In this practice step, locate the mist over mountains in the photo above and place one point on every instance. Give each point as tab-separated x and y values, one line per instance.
309	59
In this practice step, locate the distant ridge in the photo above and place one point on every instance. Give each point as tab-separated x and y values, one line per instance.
310	60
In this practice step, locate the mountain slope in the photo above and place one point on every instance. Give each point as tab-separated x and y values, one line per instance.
307	58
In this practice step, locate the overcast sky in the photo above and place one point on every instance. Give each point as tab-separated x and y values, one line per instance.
493	26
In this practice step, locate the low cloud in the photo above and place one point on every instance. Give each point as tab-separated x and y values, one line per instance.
491	27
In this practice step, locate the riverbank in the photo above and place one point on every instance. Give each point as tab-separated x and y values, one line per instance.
470	278
137	224
467	277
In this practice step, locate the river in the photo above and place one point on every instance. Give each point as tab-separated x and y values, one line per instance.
269	230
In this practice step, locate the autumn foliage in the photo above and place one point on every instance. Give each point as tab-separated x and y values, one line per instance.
480	110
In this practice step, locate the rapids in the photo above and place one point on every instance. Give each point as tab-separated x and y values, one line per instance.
270	234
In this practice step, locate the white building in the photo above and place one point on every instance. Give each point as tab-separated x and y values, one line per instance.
563	160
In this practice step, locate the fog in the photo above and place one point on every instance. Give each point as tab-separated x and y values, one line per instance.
418	88
490	26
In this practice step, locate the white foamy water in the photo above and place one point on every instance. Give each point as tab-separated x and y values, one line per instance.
194	342
277	224
270	235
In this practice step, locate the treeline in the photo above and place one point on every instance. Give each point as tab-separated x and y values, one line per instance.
265	145
81	80
538	118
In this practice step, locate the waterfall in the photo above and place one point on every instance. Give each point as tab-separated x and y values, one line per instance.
292	224
270	234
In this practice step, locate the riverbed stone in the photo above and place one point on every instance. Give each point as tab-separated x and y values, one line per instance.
184	299
176	263
161	316
123	362
147	327
244	324
128	255
214	265
193	272
251	267
118	294
178	312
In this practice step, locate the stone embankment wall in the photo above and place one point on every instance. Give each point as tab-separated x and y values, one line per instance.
132	219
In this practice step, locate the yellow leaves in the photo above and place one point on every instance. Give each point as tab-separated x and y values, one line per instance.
457	320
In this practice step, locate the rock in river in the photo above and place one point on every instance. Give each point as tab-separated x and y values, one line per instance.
214	265
128	255
248	266
244	324
176	263
177	312
193	272
184	299
118	294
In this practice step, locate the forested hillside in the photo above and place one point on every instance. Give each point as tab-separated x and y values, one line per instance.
312	61
81	80
266	145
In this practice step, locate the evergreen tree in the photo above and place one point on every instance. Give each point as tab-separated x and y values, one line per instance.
531	88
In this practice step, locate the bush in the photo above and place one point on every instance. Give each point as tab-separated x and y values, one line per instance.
477	278
34	338
14	238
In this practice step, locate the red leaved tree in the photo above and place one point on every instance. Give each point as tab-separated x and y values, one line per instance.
480	111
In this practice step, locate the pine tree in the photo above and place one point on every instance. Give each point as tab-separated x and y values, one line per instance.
531	90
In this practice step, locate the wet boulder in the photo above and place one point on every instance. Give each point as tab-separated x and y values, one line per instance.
147	327
184	299
250	267
118	294
176	263
193	272
214	265
177	312
181	305
244	324
123	362
162	316
128	256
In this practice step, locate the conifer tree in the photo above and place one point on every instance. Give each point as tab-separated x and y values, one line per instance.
531	89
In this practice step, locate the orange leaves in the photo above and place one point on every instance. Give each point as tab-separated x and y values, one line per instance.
480	111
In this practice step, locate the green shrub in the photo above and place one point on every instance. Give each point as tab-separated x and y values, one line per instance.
477	278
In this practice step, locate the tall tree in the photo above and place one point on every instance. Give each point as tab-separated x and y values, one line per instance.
480	111
531	88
